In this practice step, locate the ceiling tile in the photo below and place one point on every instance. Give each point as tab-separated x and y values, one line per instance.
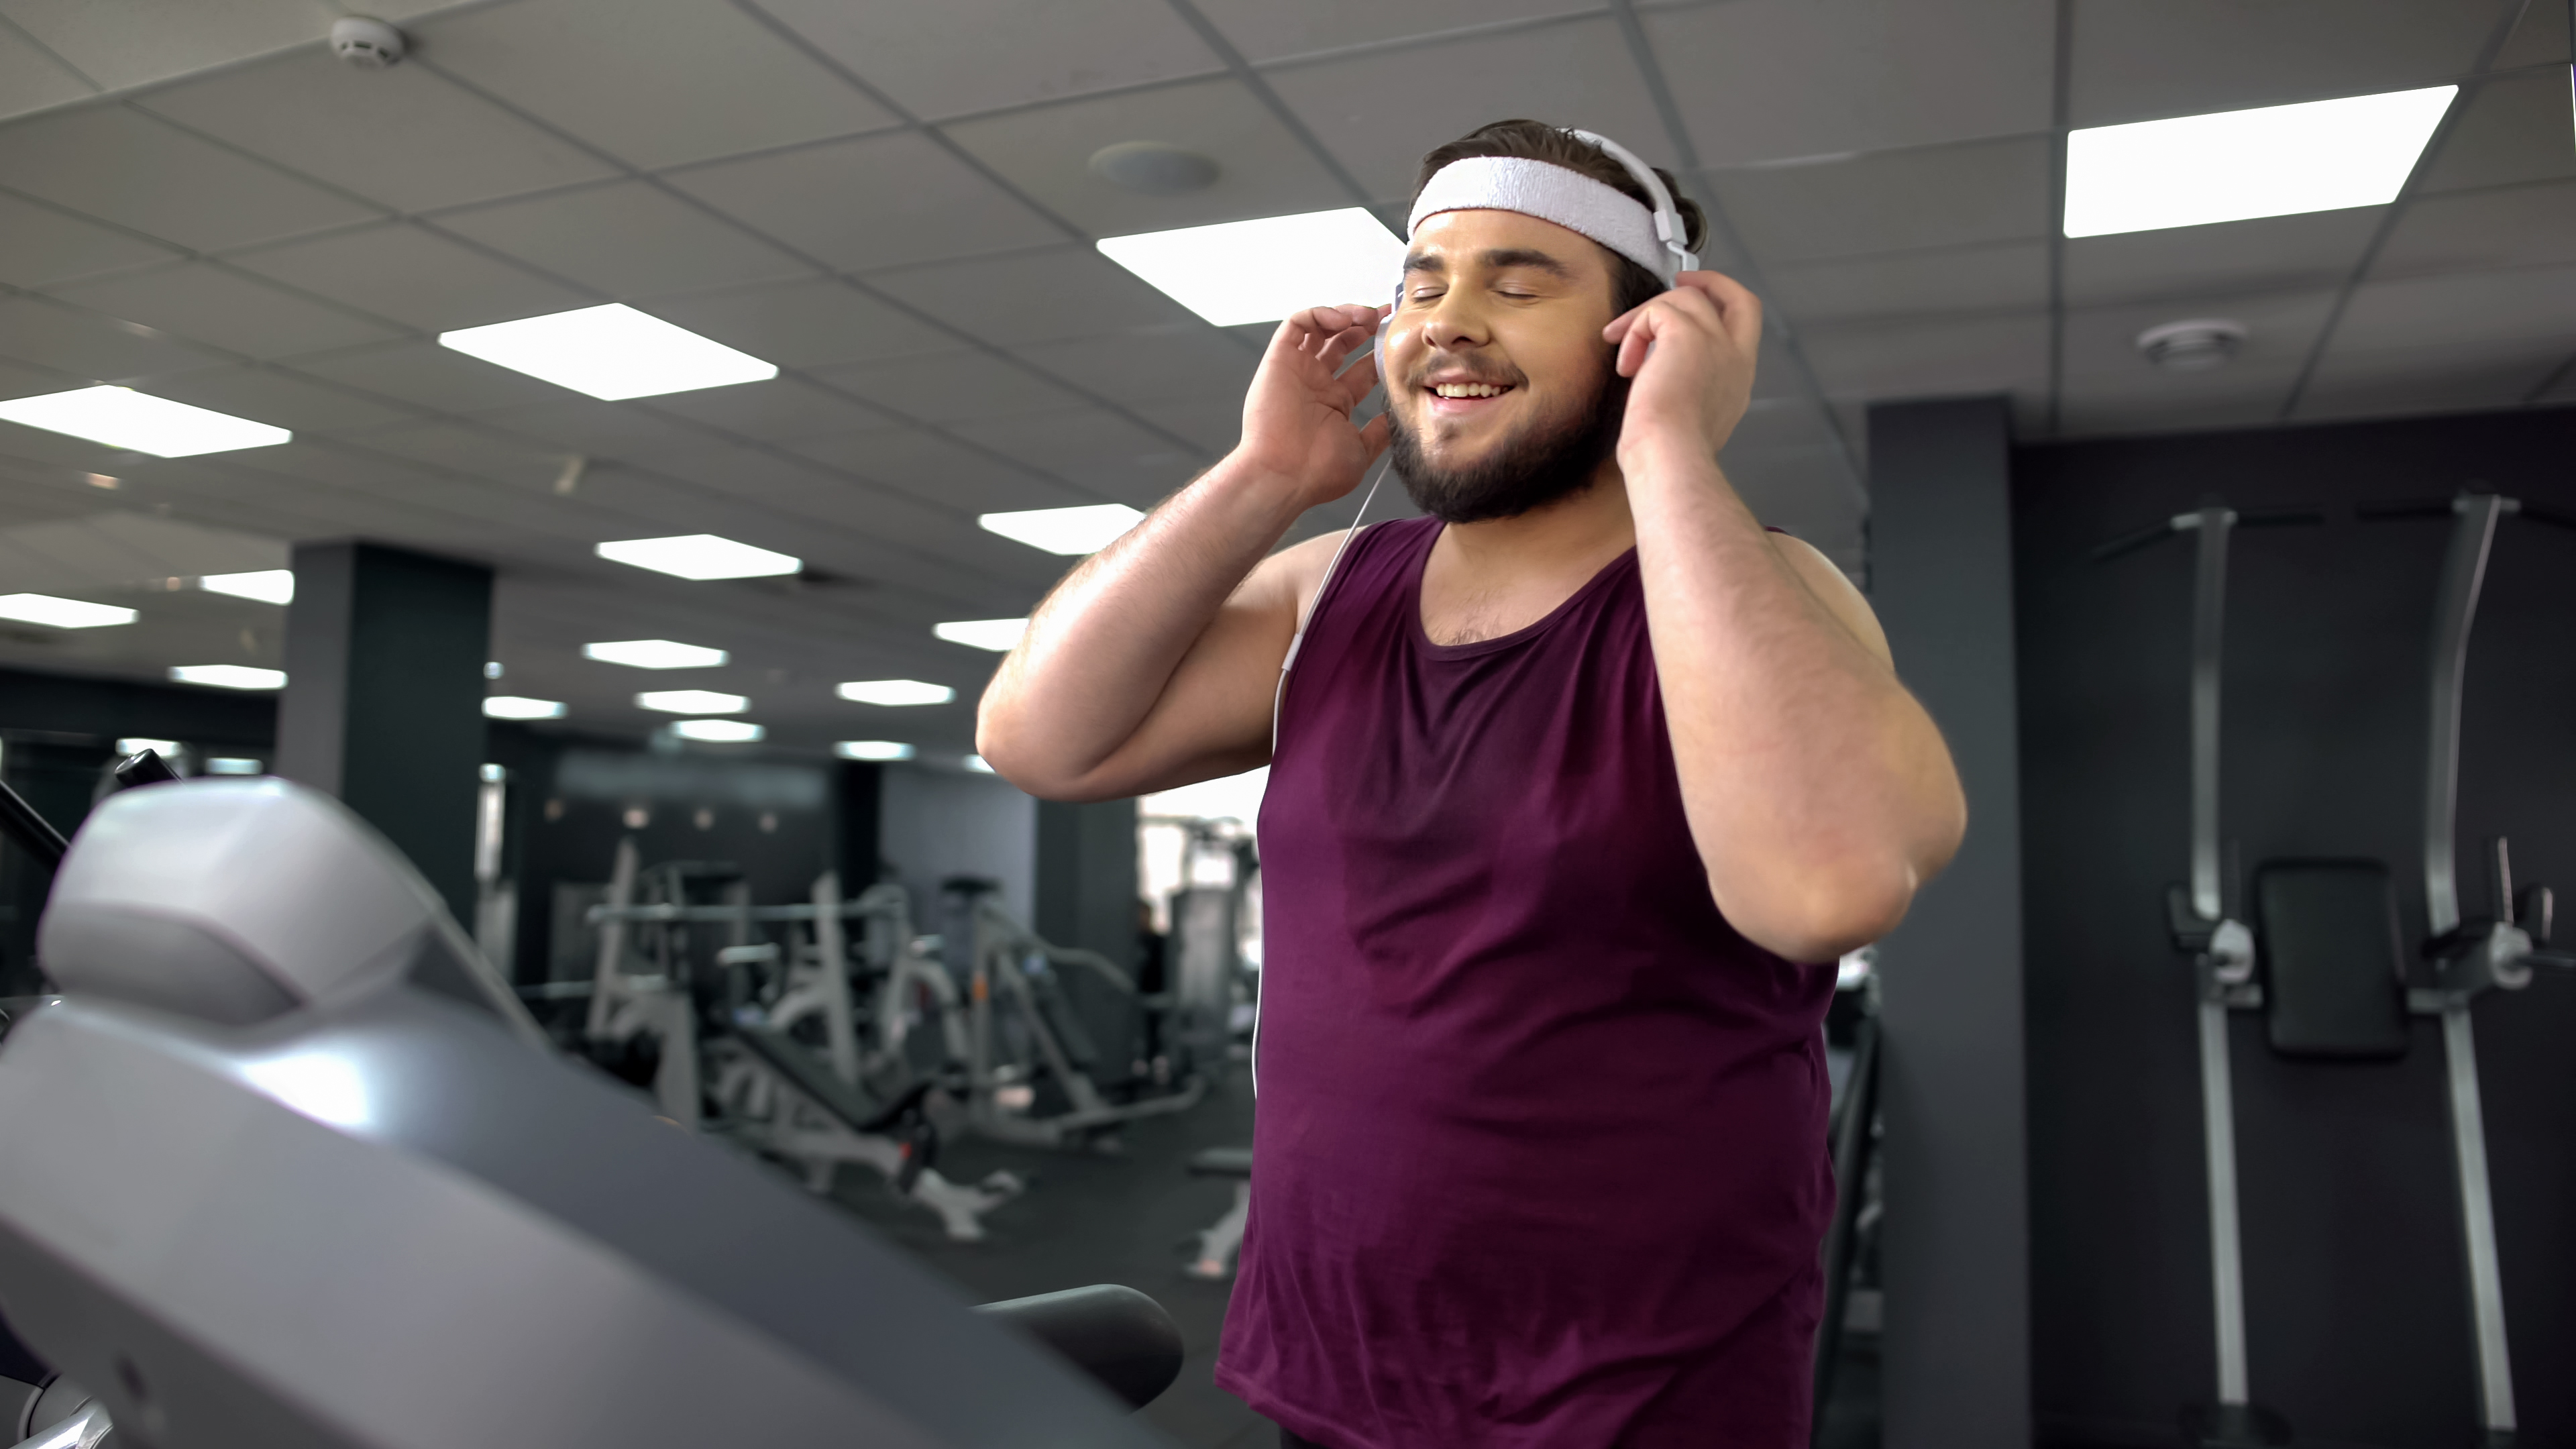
215	305
626	239
1380	112
2515	128
31	80
952	386
1262	169
1772	425
935	468
19	381
429	376
463	448
1930	357
279	398
1157	365
1265	32
2141	60
1806	493
1215	425
1891	201
2465	231
875	201
127	45
2281	327
1096	449
406	137
414	276
2477	309
805	324
2228	398
600	429
2541	39
334	465
1955	279
35	445
944	60
657	82
122	166
1767	80
773	411
1038	296
2269	254
51	335
40	245
2429	379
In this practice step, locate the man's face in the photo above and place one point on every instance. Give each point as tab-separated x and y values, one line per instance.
1498	381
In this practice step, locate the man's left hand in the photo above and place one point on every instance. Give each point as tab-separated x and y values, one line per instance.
1690	355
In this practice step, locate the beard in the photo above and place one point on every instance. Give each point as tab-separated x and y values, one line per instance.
1550	457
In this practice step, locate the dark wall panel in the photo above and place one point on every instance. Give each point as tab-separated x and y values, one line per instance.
2356	1295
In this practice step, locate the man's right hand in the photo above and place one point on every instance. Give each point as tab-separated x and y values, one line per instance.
1297	418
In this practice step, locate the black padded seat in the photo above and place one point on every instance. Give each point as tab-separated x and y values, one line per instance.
1222	1162
2334	968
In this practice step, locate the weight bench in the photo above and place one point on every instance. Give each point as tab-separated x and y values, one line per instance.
1221	1240
820	1120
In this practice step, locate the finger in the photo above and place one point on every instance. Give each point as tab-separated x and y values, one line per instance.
1640	336
1620	324
1335	349
1739	311
1374	437
1359	377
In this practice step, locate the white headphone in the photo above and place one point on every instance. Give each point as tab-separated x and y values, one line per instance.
1670	230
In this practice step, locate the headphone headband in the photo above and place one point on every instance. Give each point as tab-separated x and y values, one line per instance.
1670	229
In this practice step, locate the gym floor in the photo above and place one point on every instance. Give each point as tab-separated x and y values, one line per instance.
1130	1219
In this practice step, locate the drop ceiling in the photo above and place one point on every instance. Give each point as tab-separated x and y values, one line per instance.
889	201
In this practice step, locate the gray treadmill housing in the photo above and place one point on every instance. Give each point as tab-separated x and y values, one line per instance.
383	1219
236	901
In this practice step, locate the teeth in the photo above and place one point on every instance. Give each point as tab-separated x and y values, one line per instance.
1467	389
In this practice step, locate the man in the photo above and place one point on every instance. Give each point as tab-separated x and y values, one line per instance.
1581	784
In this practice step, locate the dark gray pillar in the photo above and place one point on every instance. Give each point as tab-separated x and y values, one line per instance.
1086	887
1955	1256
384	697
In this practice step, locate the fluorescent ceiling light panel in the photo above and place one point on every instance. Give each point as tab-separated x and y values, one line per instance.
61	613
229	676
976	764
730	731
1087	529
269	586
1260	271
895	692
872	750
514	706
120	417
700	556
692	701
232	765
998	635
654	654
609	352
2237	165
133	745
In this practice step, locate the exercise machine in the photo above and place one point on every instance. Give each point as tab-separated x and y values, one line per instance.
290	1165
779	1097
2334	982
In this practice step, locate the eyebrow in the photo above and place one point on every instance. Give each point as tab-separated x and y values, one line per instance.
1496	259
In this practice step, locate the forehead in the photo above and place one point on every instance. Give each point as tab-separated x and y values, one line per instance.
1457	236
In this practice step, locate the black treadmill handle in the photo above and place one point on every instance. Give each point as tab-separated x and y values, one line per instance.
1123	1339
143	767
30	831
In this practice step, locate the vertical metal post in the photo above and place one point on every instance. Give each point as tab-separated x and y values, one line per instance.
607	979
2208	901
840	1033
2463	576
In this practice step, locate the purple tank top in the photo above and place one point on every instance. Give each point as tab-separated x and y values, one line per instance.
1541	1138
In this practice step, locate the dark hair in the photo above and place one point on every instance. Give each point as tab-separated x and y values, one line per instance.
1631	285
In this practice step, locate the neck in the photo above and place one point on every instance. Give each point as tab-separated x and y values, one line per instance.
1589	527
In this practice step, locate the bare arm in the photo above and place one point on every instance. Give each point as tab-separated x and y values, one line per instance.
1820	794
1153	664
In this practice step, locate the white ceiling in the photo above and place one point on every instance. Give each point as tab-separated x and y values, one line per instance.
890	202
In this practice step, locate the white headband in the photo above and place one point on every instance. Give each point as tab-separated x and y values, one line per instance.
1551	193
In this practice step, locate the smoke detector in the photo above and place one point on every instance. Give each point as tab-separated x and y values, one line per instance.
2194	346
1153	168
364	43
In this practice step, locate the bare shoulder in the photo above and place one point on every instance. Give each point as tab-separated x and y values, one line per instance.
1834	590
1289	578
